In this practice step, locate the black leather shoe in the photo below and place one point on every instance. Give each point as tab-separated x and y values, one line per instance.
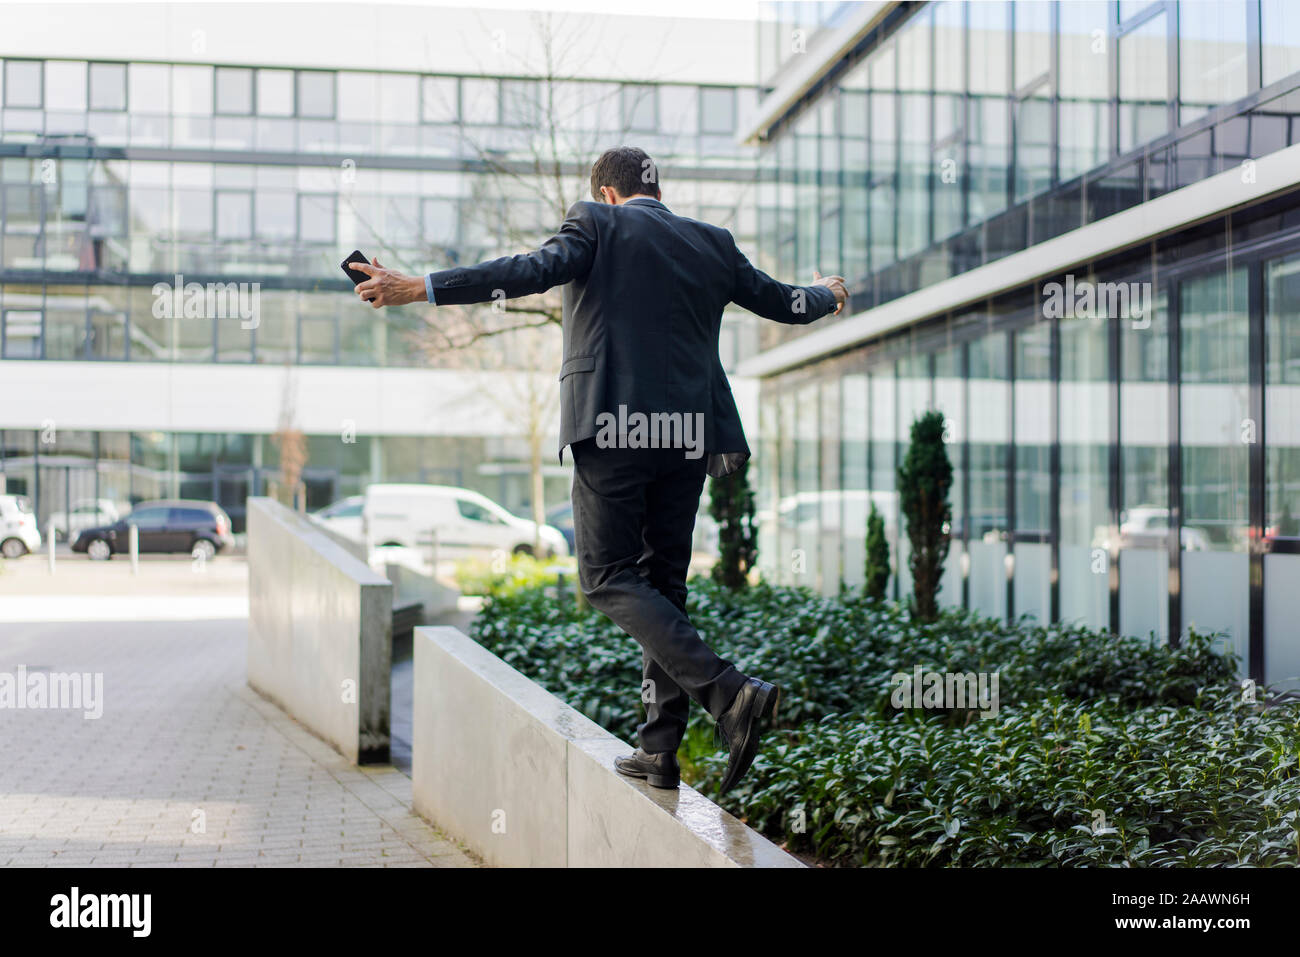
660	770
741	723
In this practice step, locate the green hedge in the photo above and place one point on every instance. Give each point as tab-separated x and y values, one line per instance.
1105	750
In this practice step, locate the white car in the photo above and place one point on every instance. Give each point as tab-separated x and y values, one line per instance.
464	523
343	517
18	532
85	513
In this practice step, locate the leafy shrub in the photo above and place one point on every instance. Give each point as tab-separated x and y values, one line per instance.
1154	738
508	574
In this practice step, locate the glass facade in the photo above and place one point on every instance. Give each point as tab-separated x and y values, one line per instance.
57	469
1129	464
958	133
116	176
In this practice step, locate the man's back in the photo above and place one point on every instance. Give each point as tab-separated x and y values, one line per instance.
644	291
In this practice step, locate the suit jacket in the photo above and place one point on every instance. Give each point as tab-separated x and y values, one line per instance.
644	291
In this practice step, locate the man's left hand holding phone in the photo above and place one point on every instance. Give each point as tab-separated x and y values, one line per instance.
382	287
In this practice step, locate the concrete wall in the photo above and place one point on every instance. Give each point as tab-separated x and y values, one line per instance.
319	631
526	781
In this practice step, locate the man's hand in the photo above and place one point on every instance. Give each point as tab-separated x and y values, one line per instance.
836	285
388	287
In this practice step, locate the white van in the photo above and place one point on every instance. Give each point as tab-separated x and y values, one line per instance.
18	532
466	523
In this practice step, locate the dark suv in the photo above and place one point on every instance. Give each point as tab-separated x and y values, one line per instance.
200	528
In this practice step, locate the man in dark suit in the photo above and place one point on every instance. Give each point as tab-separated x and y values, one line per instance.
647	411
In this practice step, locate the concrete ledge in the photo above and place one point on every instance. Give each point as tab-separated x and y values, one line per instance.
524	780
320	640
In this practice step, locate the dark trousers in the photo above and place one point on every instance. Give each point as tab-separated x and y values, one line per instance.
633	515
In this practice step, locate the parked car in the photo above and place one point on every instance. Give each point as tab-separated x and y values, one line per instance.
343	517
18	532
467	524
1147	526
561	517
85	513
183	525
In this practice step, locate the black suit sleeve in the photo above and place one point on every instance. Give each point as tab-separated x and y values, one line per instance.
758	292
566	256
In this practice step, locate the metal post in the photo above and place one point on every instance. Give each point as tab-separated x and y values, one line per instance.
134	544
50	531
433	553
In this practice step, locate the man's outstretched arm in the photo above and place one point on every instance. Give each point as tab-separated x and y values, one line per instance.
758	292
564	257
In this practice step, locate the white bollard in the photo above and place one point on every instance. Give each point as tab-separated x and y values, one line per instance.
134	545
50	533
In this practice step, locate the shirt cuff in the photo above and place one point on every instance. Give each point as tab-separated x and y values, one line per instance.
428	288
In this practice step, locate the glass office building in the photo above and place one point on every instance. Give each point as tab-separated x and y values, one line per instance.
115	176
1074	228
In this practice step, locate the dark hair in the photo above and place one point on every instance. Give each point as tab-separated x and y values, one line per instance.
627	170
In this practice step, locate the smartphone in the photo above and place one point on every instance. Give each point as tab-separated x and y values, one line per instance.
356	276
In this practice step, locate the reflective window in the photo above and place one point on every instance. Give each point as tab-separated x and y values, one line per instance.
990	394
1143	534
275	92
1033	43
717	110
65	86
1217	433
854	401
1084	424
315	94
1211	55
1143	83
22	86
1279	28
1083	80
234	214
317	217
479	101
1282	399
150	88
439	99
234	89
520	104
1033	476
640	107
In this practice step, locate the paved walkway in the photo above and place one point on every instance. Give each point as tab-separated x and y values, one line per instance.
187	767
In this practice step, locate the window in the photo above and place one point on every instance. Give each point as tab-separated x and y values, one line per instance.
476	512
65	86
317	219
479	101
520	105
190	516
1215	423
439	99
149	85
234	214
152	517
23	84
640	107
1211	55
275	92
1279	27
717	110
234	91
22	334
1143	84
108	86
315	94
